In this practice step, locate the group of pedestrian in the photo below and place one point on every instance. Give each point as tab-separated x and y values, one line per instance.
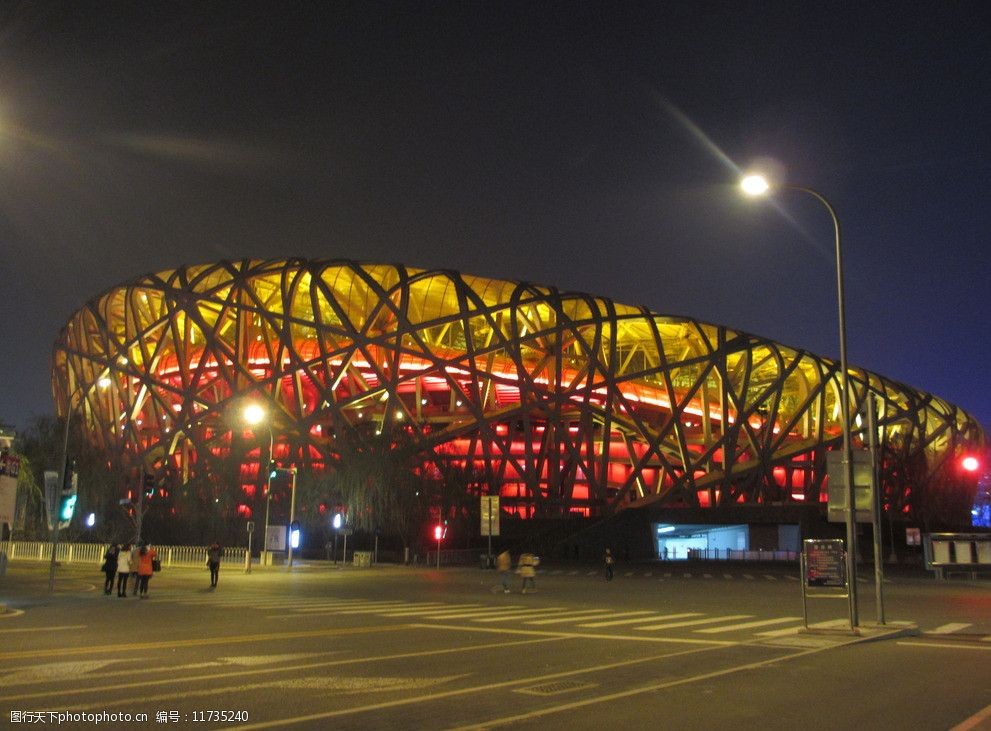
526	569
124	562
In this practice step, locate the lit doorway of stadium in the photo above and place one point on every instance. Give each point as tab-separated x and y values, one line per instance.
680	542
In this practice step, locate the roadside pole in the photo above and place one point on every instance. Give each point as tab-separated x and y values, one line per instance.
247	556
875	508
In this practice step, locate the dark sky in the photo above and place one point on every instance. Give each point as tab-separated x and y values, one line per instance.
595	147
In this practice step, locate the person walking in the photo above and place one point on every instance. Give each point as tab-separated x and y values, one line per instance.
504	565
527	569
146	558
123	569
110	567
610	561
213	555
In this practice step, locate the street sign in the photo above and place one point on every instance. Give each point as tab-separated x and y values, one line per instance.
490	515
838	493
8	488
824	563
824	567
275	540
52	493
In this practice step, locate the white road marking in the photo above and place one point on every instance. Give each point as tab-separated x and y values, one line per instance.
748	625
634	620
412	612
354	607
524	614
693	622
975	721
947	645
589	613
373	608
470	613
945	629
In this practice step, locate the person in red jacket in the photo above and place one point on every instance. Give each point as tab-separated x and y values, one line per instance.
146	556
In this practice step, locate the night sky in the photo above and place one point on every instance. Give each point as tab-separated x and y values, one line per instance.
594	147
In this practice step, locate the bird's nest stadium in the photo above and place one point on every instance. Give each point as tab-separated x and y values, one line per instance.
559	402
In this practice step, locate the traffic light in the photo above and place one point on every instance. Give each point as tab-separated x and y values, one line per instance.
67	500
273	470
294	534
440	531
148	484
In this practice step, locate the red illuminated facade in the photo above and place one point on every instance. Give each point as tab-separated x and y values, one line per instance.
560	402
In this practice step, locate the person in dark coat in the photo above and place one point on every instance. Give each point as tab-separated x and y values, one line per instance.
213	555
110	567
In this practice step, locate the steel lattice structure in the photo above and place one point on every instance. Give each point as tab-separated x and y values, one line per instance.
560	401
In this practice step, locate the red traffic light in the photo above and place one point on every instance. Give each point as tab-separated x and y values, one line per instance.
438	532
970	463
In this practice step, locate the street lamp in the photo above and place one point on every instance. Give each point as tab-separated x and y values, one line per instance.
103	382
758	185
292	515
255	414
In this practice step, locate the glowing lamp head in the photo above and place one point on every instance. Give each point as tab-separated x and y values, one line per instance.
754	184
338	521
438	532
971	464
254	414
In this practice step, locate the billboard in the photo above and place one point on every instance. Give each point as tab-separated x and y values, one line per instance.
9	469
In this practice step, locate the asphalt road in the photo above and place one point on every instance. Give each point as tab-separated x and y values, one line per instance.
671	645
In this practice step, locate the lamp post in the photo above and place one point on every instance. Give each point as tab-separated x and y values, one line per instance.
254	414
758	185
292	512
103	383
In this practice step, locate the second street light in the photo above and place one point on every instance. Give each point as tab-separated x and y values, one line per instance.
254	414
759	185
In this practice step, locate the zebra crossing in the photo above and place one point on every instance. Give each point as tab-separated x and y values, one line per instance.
635	623
553	618
669	575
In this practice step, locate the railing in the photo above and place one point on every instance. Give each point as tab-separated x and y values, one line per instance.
93	553
730	554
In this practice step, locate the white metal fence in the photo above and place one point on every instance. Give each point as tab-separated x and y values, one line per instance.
729	554
93	553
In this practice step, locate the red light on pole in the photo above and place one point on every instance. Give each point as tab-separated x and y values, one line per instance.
439	531
971	464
